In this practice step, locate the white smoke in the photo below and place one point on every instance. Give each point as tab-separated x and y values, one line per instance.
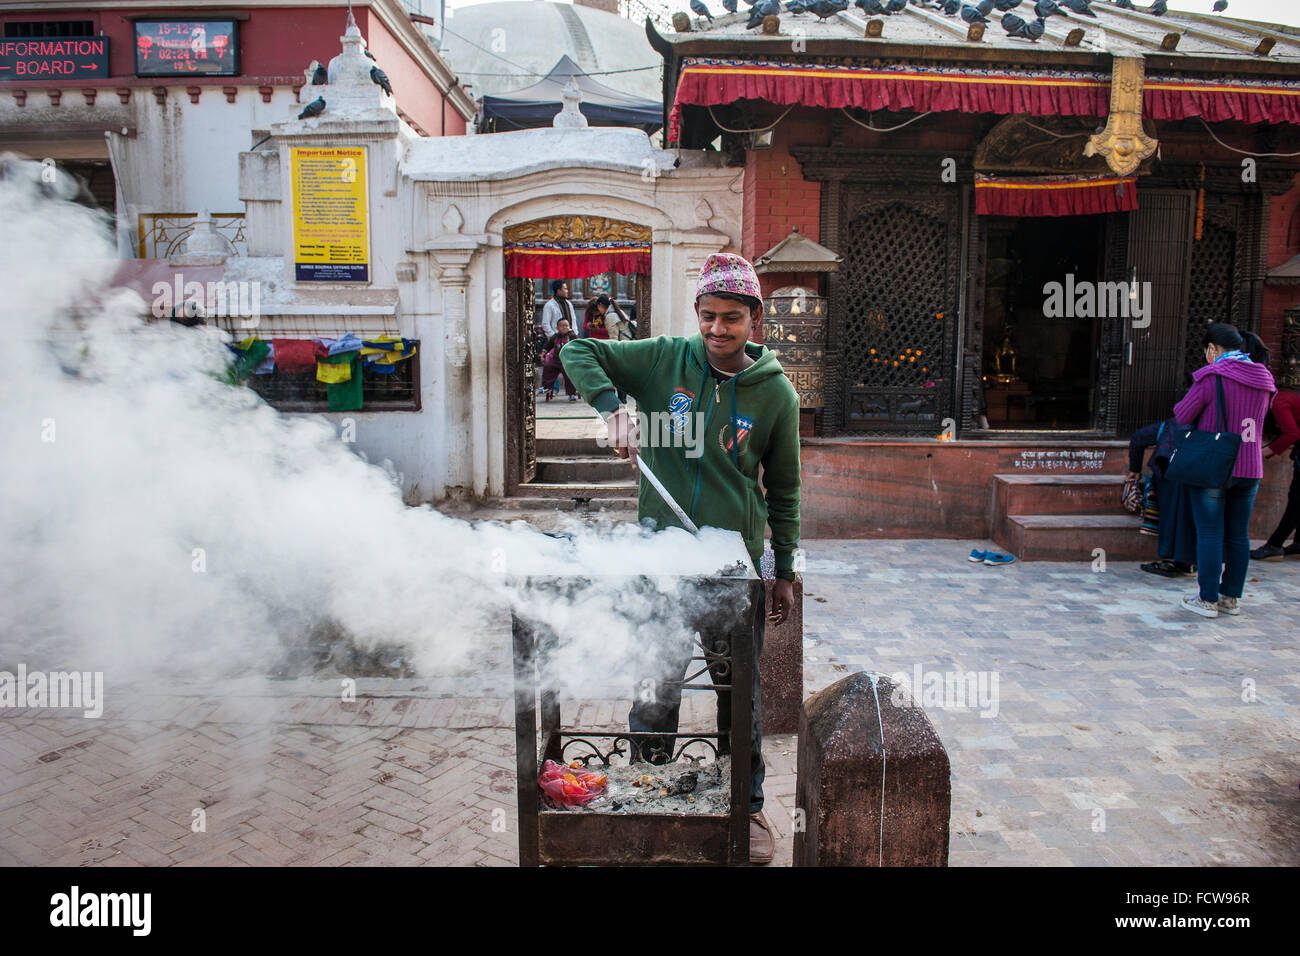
159	523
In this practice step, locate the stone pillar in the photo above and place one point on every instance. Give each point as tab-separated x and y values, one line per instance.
781	668
453	253
873	779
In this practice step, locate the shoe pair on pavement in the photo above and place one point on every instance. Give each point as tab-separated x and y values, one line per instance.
989	557
1168	569
1225	605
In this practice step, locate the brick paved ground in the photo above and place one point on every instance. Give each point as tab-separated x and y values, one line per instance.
1110	698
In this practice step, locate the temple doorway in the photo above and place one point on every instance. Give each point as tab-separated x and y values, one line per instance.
1044	309
593	256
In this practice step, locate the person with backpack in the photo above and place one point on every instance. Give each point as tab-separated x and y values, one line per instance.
1229	393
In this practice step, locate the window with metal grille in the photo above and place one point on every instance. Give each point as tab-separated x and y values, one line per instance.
398	391
49	28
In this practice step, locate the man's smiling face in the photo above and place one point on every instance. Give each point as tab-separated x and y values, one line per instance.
725	326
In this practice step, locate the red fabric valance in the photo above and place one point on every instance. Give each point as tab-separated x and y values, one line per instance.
1172	98
1054	195
712	82
535	261
709	82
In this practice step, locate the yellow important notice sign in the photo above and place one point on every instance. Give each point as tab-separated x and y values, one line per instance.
331	227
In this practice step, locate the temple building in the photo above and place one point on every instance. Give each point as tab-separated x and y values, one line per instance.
1031	236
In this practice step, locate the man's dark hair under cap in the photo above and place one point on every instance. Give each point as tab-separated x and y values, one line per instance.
753	303
555	285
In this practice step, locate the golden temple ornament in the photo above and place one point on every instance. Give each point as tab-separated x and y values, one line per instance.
1123	142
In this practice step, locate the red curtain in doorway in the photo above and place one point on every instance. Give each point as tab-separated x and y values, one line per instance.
576	260
1054	195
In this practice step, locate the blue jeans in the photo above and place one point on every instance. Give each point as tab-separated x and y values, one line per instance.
1222	537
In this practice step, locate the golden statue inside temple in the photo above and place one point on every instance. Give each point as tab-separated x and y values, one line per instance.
1005	360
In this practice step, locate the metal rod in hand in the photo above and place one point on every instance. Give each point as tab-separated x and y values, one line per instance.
658	486
687	523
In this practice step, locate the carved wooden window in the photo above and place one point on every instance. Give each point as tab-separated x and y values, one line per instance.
1214	259
895	319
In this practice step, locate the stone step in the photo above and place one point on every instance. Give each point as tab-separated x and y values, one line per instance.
569	445
1066	537
1097	494
582	469
613	488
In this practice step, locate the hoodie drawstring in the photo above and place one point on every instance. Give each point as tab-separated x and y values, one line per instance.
735	433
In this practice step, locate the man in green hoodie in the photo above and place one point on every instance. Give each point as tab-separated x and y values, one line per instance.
724	408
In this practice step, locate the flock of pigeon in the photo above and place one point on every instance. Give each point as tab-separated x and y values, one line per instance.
970	12
320	77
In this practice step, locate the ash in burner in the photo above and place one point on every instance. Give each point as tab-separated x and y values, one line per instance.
680	788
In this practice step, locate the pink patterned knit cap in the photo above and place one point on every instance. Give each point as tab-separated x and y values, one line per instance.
727	272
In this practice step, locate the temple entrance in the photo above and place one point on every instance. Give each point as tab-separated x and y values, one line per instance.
1044	309
549	444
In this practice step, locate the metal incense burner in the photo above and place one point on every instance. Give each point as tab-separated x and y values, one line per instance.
723	651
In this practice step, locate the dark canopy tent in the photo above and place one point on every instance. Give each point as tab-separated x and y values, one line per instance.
537	105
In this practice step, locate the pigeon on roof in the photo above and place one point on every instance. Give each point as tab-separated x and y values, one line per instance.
761	9
1159	8
822	9
971	15
1220	5
950	7
314	108
1125	4
870	7
895	6
1005	5
1045	8
1078	6
319	75
795	7
729	5
701	10
380	79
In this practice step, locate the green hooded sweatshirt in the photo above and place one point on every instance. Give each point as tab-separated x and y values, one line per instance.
706	438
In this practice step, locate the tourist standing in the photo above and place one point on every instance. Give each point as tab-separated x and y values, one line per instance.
558	307
1223	514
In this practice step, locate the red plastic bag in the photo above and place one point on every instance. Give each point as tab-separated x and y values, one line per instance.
569	786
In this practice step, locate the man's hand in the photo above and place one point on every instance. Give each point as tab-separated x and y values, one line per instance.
622	430
782	601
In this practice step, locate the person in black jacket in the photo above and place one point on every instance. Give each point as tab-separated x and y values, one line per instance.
1176	543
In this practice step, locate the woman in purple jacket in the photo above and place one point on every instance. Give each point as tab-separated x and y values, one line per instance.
1223	514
